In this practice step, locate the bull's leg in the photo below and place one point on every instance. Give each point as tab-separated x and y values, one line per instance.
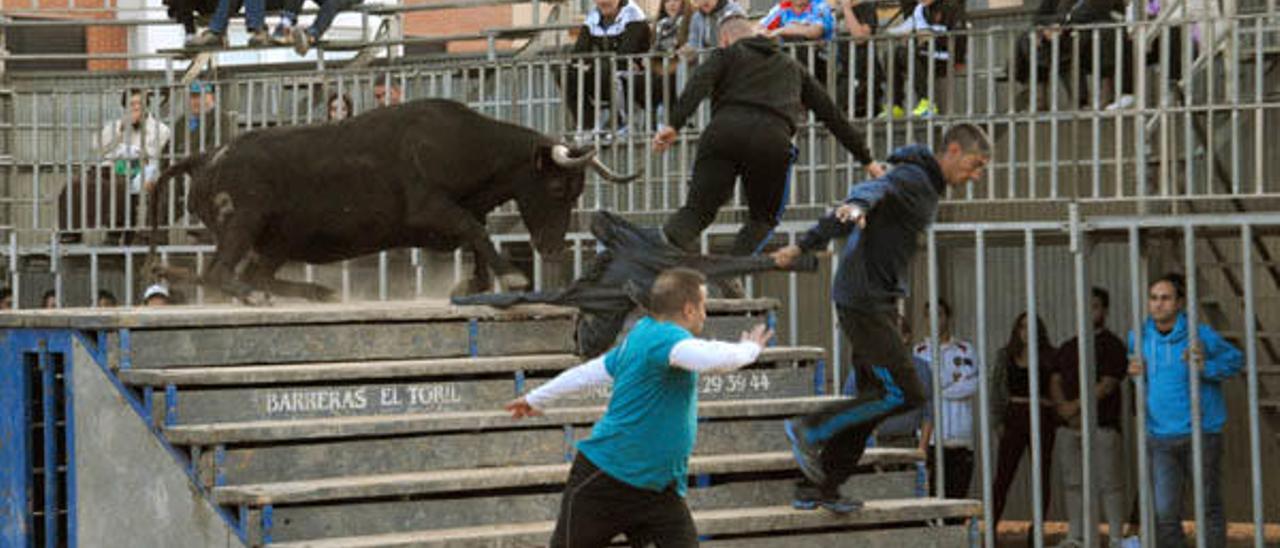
234	243
261	274
448	221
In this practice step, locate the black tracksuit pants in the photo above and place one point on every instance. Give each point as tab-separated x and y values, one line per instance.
596	508
739	142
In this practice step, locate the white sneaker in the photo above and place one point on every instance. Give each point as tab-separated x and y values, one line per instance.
1125	102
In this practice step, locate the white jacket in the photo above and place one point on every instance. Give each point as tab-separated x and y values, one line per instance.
120	141
960	372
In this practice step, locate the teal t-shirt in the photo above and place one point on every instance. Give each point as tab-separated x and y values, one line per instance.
648	430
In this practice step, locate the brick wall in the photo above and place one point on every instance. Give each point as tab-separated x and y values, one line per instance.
97	39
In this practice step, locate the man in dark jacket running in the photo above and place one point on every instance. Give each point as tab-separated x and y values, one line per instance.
882	219
759	96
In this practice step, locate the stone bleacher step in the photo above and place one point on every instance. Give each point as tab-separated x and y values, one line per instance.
343	371
266	431
766	519
476	479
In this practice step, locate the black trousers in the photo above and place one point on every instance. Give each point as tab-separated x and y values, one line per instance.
892	387
596	508
739	142
957	465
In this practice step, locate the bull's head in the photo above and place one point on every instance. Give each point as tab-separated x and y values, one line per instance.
545	207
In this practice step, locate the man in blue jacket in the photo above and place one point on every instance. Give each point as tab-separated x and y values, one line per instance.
882	219
1166	348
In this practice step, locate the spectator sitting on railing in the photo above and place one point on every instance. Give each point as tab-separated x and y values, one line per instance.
254	20
861	20
704	26
671	33
612	26
1051	24
288	31
339	107
928	18
803	21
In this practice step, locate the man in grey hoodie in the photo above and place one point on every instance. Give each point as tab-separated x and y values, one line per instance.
881	219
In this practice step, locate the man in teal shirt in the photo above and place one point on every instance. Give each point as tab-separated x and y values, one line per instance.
630	475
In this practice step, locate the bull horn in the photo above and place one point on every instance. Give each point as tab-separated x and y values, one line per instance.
610	175
560	154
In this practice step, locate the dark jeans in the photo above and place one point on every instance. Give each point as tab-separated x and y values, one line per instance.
1171	469
739	142
1015	440
842	427
593	98
919	78
596	508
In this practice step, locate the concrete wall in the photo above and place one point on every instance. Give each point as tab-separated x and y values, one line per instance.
132	491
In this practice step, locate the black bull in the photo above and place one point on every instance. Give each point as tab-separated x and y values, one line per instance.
421	174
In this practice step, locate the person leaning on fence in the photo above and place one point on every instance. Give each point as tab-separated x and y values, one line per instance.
803	21
670	34
1010	390
758	97
203	127
704	26
630	475
1108	443
1167	347
612	26
861	21
254	21
882	219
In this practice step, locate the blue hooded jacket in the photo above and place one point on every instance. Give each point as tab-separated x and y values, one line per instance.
900	205
1168	382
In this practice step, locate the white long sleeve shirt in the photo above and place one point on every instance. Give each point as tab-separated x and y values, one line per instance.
960	372
698	355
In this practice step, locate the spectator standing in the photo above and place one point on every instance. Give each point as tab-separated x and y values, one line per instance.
861	22
49	300
338	107
1011	408
1167	347
385	94
106	299
960	371
1108	444
131	147
6	299
671	33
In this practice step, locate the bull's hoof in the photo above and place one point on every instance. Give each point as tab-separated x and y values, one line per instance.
470	286
515	281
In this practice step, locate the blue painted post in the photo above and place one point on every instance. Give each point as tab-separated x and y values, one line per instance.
70	441
15	520
170	404
267	523
126	350
49	417
568	443
219	457
519	383
819	378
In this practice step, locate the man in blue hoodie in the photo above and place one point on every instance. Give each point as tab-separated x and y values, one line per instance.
882	219
1166	349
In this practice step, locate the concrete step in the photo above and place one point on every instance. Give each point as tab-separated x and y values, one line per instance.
487	479
403	387
776	520
246	375
270	431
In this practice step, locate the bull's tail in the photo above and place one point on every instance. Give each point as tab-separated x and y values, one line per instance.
178	169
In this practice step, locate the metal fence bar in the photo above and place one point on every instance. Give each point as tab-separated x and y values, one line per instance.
1251	364
1137	292
1033	391
1193	372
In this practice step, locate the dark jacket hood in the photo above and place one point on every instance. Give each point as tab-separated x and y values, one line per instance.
760	44
920	155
